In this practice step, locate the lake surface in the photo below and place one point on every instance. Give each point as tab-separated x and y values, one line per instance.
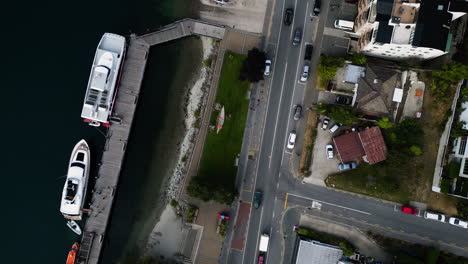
48	50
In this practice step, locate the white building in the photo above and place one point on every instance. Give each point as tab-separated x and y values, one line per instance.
403	29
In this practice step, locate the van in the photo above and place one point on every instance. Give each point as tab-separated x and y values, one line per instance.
434	216
343	24
335	127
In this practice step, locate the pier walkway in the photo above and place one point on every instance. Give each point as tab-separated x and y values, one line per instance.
121	122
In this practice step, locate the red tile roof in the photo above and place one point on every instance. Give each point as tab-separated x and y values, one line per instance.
373	144
349	147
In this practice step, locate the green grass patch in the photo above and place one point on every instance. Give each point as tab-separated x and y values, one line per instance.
217	174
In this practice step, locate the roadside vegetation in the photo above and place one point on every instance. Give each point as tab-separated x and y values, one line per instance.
348	248
345	115
253	67
217	174
443	82
309	139
408	253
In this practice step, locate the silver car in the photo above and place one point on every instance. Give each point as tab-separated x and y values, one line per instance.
297	112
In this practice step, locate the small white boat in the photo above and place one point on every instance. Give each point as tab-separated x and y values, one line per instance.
74	227
220	121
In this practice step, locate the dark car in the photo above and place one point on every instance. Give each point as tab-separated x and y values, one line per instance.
297	37
297	112
343	100
317	5
257	199
288	16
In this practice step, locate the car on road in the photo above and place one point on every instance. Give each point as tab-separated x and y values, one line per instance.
335	127
434	216
297	37
257	199
325	123
329	150
317	5
408	210
305	73
267	67
343	100
457	222
288	16
291	140
297	112
347	166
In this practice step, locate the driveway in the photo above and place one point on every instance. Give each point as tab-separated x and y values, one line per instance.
321	166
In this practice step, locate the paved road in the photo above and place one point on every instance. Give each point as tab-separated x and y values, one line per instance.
272	170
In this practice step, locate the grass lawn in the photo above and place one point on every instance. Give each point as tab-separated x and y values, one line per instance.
217	167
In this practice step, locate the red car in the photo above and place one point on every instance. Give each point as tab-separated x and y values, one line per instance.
409	210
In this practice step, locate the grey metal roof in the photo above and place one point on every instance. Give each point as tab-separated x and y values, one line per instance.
353	73
314	252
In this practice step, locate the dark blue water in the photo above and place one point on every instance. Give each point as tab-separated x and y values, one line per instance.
47	48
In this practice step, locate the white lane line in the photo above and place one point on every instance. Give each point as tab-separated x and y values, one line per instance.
277	115
332	204
302	44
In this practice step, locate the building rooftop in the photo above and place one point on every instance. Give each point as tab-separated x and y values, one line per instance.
349	147
404	11
402	33
464	115
373	144
353	73
314	252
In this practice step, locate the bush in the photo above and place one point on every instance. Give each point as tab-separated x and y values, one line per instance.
347	248
462	208
453	170
358	58
385	123
174	203
445	185
253	67
223	228
327	68
339	113
451	74
416	151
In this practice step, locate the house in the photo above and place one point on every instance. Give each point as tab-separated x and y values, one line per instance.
403	29
315	252
376	91
368	144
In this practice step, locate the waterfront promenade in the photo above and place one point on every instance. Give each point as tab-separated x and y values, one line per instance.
121	123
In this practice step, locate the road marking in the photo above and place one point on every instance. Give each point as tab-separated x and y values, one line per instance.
245	190
286	201
336	205
277	115
237	249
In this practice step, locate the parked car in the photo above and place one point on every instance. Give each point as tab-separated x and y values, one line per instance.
297	112
305	73
267	67
457	222
343	100
434	216
257	199
329	151
325	123
408	210
291	140
317	5
297	37
335	127
347	166
343	24
288	16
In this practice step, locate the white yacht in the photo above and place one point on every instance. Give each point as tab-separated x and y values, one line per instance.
104	80
74	191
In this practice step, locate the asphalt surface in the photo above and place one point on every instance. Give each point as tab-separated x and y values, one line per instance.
270	170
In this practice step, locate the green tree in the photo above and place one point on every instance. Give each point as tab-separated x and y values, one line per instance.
358	58
443	80
385	123
339	113
253	67
415	150
327	68
347	248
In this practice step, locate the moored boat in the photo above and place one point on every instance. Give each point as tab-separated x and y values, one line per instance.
74	227
104	80
74	190
71	258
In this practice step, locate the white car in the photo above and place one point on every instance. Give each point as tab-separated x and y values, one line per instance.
305	73
325	123
267	67
434	216
457	222
329	150
291	140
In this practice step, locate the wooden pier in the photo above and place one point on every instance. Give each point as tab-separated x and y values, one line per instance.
102	196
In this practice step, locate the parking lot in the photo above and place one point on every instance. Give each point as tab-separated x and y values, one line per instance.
321	166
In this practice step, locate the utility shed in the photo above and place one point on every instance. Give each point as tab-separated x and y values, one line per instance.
397	95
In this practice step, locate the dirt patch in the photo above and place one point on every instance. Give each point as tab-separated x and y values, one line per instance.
309	138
